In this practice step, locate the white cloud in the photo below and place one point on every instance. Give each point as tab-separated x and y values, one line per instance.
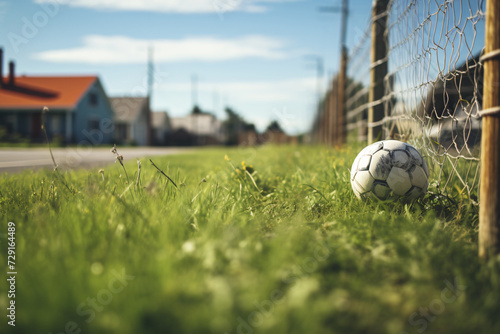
171	6
98	49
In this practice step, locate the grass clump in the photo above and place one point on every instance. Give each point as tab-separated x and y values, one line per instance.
267	240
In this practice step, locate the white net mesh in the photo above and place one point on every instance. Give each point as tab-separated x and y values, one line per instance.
433	88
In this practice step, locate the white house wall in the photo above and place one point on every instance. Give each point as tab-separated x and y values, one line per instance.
140	130
85	113
203	125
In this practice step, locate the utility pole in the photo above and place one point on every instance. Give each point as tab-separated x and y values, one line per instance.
319	77
194	89
344	10
339	115
194	100
319	89
150	93
342	77
150	71
215	108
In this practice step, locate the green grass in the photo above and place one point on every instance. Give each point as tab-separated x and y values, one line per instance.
288	250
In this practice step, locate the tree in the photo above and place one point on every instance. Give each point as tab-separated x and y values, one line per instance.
274	126
196	110
249	127
234	124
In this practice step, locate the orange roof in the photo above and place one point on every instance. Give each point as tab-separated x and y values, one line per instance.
37	92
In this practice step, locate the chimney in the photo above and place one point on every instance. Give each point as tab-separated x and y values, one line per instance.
1	67
11	73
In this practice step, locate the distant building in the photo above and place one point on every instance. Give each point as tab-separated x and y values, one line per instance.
160	123
249	138
132	117
270	136
274	134
79	110
204	127
278	137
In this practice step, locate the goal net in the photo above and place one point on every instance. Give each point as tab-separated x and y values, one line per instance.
432	88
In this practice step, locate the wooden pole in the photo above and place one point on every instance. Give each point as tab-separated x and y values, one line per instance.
322	126
326	110
341	98
333	111
378	70
489	208
317	127
331	130
320	101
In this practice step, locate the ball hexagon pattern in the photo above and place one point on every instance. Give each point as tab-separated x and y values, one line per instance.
389	170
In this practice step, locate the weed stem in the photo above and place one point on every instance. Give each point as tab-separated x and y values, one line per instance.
163	173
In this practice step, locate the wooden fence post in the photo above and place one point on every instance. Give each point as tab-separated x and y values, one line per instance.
489	207
325	129
331	113
320	125
333	108
341	131
326	110
378	68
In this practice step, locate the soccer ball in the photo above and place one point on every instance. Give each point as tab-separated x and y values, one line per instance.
389	170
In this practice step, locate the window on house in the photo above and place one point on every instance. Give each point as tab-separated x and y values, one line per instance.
56	124
121	132
93	124
10	124
93	100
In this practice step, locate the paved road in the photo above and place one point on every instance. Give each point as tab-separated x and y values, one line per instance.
14	160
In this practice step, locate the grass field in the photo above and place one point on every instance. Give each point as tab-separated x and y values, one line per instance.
266	240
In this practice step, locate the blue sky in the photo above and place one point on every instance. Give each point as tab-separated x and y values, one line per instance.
248	54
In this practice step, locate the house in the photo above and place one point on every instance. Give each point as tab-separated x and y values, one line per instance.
274	134
204	127
180	137
278	137
79	110
248	138
160	124
132	117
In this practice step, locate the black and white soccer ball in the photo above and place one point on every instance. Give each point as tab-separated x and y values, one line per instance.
390	170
